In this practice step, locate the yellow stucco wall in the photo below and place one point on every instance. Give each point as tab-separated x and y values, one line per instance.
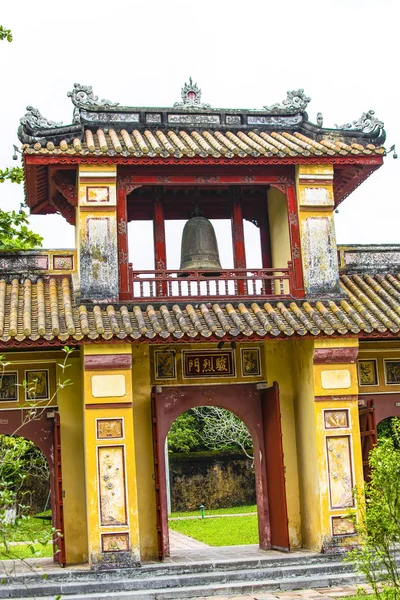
70	407
307	451
144	451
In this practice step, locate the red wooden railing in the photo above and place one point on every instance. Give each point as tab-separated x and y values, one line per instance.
197	285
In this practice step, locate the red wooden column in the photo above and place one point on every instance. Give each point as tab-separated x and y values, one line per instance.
160	249
239	252
125	291
265	242
294	231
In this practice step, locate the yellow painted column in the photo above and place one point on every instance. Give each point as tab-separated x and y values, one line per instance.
111	491
330	463
314	190
144	448
338	437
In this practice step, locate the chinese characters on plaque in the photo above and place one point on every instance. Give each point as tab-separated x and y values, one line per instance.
208	363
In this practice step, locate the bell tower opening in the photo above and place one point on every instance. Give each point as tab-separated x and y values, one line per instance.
180	247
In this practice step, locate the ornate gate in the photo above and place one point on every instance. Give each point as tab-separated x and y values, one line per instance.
260	412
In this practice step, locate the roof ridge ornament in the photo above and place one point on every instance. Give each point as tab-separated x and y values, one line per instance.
367	123
34	119
82	96
295	101
191	97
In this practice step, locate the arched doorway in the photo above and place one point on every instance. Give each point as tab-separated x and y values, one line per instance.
259	410
44	432
210	475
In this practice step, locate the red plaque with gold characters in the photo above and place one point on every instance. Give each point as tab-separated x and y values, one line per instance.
208	363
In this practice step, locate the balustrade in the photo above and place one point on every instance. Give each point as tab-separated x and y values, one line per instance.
228	284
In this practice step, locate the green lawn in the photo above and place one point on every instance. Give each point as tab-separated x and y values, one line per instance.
224	531
26	551
28	530
217	511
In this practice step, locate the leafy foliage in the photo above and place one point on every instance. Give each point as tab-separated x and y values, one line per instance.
14	175
5	34
184	435
14	231
209	428
15	234
385	430
379	526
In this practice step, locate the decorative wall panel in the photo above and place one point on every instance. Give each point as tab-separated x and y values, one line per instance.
343	526
367	372
112	491
336	419
9	387
317	196
108	386
321	270
340	476
335	379
115	542
98	194
63	263
109	429
98	259
165	364
251	362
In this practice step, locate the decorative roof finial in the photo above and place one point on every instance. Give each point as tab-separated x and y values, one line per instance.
82	96
34	119
367	123
191	96
295	101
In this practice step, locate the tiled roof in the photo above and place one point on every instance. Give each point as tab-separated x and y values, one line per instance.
46	310
203	144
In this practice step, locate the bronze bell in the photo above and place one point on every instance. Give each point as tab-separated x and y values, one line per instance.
199	249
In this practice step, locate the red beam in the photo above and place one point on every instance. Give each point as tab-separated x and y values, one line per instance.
55	159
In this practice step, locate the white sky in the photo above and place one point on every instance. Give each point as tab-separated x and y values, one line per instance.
344	53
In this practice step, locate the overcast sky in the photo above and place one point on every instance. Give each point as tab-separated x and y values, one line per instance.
345	54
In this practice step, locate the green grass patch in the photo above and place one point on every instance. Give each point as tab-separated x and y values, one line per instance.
26	551
224	531
217	511
28	529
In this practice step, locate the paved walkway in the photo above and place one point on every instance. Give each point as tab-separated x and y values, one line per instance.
178	542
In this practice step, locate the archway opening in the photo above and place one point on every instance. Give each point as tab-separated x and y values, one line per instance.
211	486
25	500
